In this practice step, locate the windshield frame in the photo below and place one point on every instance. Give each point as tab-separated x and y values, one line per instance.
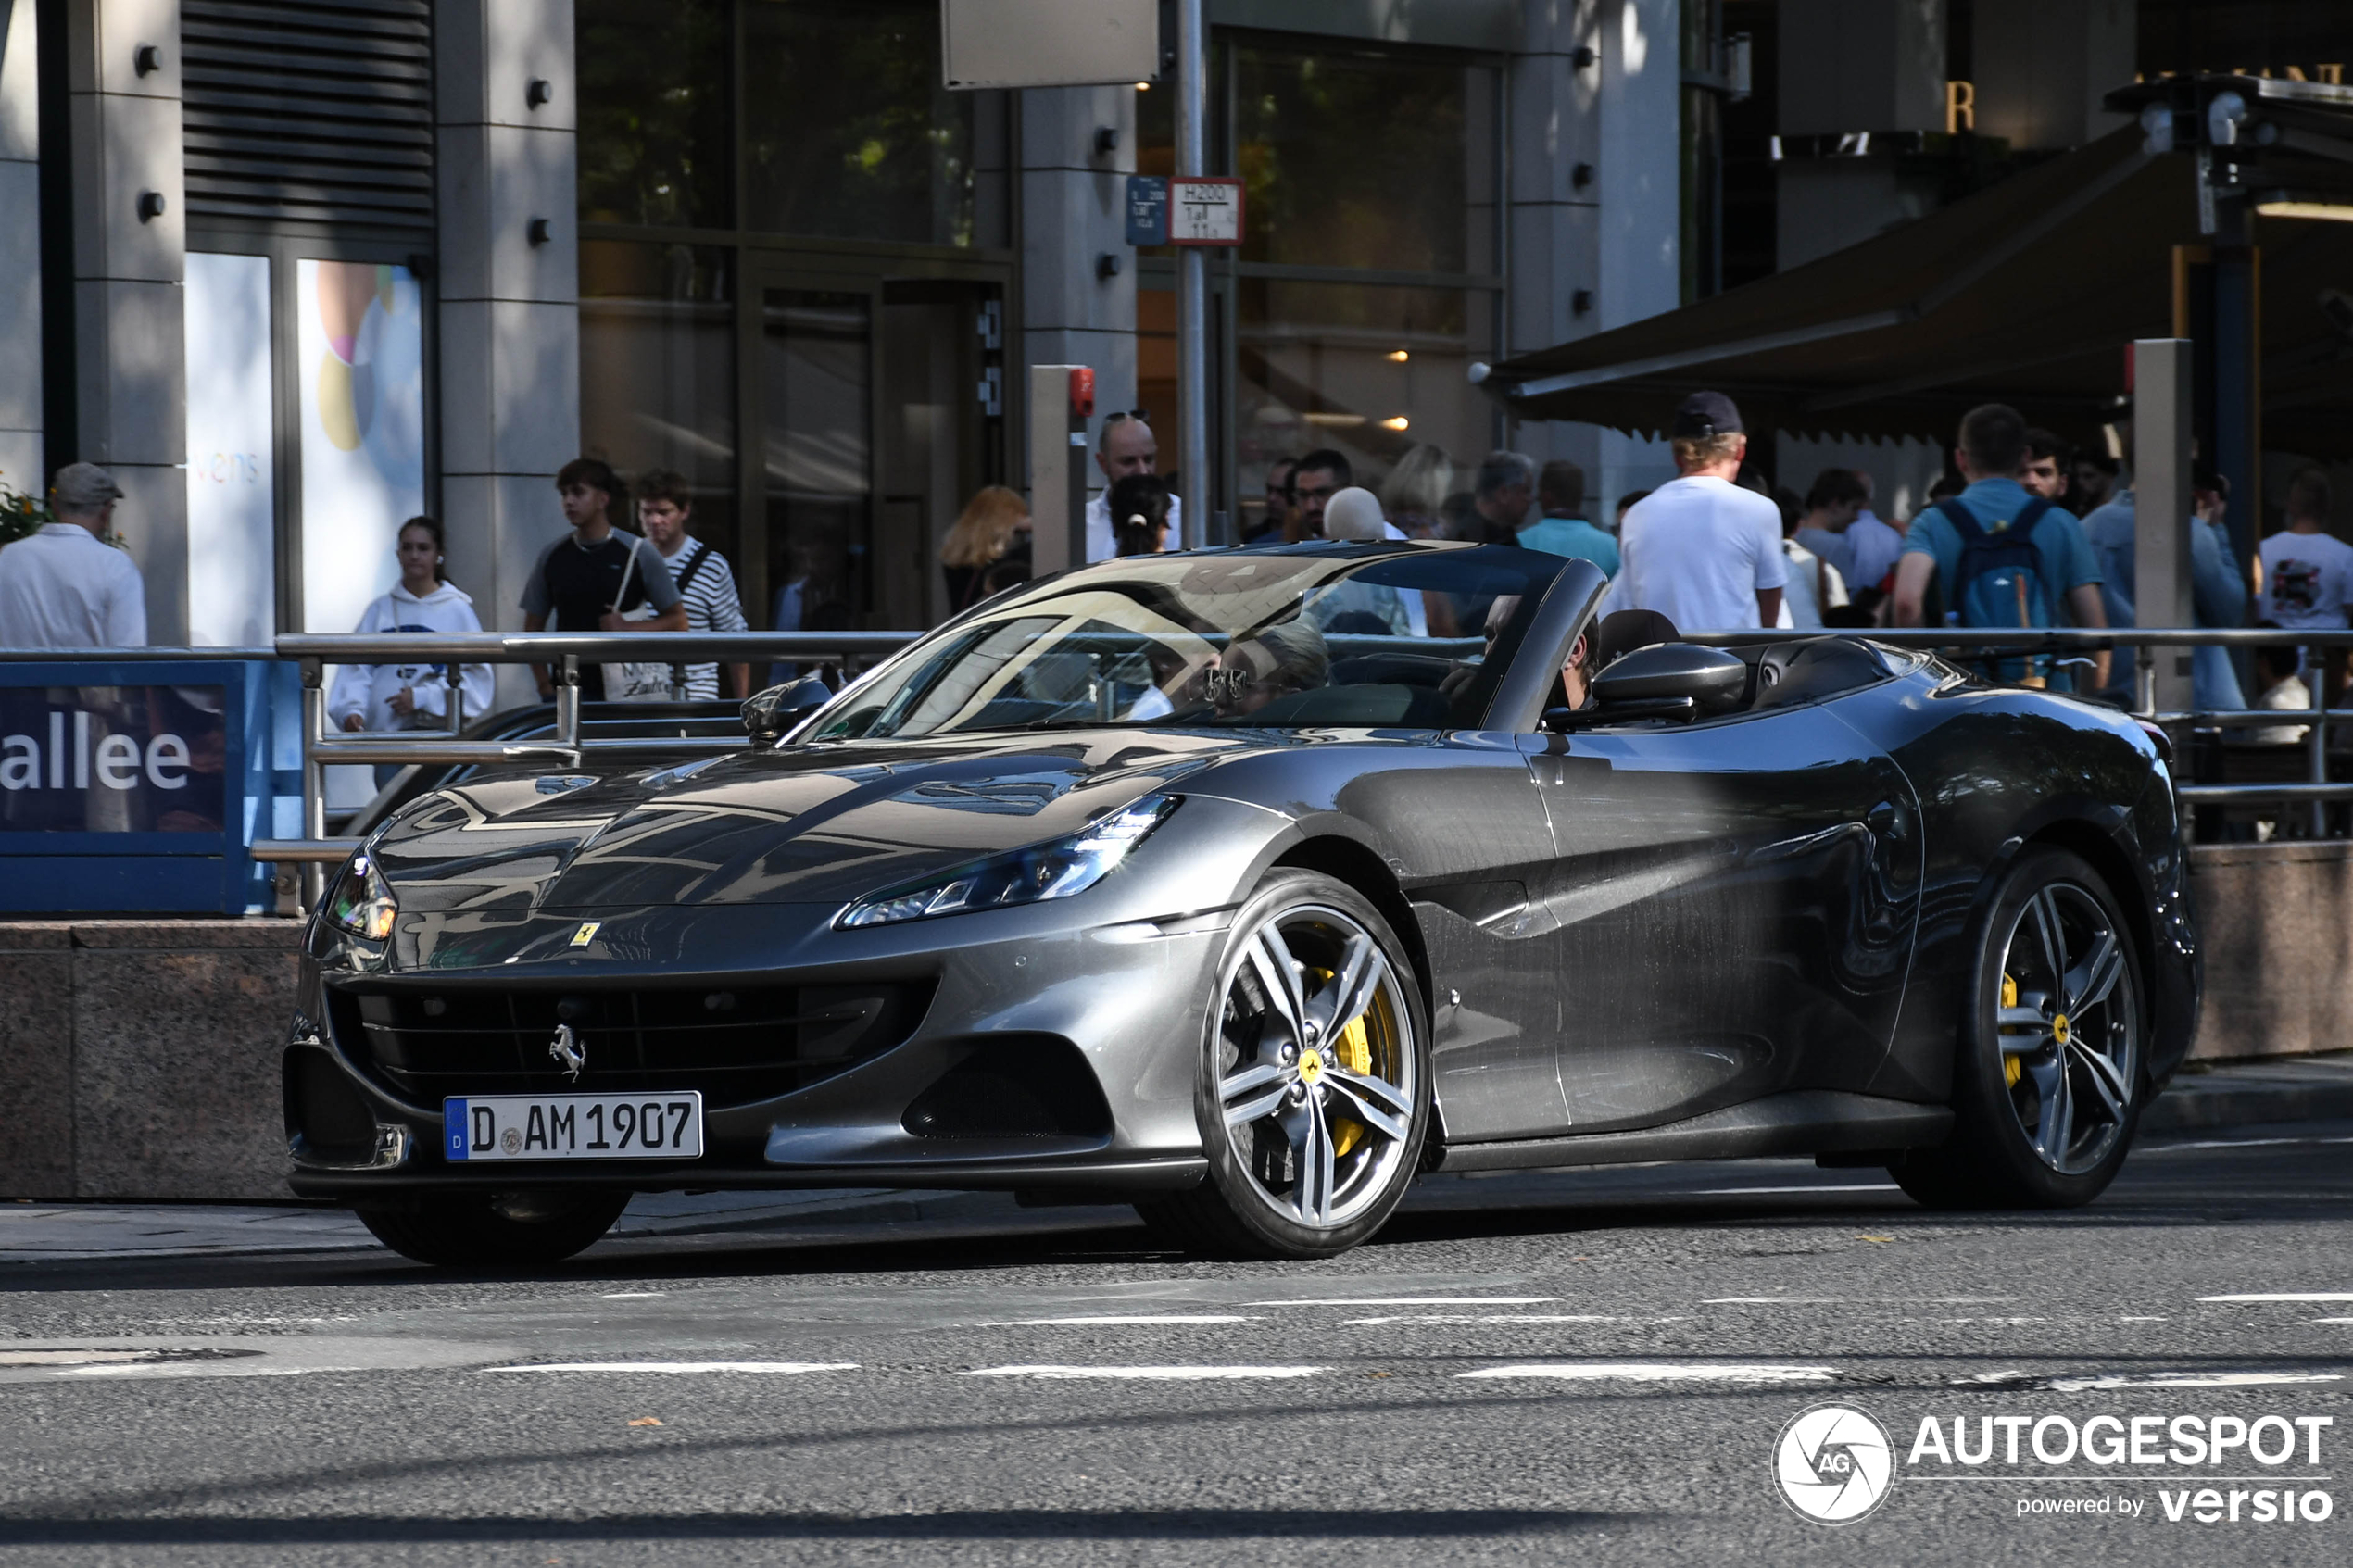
1541	572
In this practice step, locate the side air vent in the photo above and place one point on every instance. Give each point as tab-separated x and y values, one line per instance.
298	109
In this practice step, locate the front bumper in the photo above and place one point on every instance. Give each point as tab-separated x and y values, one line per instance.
1110	984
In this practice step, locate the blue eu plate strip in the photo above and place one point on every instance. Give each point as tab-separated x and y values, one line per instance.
453	1128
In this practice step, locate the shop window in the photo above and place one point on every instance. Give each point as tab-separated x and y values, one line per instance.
1369	371
851	133
1364	161
658	371
656	120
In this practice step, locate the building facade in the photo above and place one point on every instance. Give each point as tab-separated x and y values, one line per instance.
297	270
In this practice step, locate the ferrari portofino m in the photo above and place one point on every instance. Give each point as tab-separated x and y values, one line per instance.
1247	886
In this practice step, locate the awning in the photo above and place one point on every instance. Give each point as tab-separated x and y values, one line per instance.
2027	293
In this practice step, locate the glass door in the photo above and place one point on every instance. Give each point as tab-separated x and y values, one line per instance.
813	383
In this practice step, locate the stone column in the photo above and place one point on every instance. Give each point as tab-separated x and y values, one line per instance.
510	293
1073	211
20	455
129	261
1595	220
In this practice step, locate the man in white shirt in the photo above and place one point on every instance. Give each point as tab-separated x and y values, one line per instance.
1699	549
1126	447
65	587
2307	571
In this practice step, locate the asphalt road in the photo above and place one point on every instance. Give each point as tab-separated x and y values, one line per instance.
1596	1366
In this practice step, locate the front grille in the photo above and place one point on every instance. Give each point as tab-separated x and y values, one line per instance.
735	1044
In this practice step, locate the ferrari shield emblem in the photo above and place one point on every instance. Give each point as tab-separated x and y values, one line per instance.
586	934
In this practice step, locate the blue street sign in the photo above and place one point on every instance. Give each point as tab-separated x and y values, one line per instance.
1147	210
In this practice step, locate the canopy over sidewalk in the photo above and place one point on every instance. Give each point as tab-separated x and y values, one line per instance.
2028	293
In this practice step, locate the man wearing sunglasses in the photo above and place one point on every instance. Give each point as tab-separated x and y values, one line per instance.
1125	448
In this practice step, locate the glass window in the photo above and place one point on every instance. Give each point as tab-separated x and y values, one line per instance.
656	122
850	131
658	371
1349	637
1369	370
816	382
1364	160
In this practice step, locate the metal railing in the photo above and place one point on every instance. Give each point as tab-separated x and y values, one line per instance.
562	654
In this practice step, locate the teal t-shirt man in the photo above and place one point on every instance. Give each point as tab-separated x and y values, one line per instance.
1572	536
1989	453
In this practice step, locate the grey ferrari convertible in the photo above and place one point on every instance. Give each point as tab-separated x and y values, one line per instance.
1247	886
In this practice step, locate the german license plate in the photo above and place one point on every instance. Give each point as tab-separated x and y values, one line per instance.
650	1126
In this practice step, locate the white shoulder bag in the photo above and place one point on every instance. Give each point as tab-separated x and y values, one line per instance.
636	683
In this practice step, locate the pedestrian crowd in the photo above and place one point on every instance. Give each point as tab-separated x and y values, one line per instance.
2026	531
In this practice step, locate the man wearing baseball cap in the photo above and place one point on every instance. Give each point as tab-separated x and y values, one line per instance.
65	586
1699	549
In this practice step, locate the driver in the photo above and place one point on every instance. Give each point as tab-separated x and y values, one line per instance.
1273	661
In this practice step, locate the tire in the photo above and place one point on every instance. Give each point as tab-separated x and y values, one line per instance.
1313	1089
2049	1074
495	1230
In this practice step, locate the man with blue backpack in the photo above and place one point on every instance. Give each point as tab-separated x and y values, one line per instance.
1995	557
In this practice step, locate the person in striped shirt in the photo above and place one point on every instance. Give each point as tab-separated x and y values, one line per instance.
706	584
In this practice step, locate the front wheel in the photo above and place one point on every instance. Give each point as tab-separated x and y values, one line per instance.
1313	1091
2049	1069
466	1230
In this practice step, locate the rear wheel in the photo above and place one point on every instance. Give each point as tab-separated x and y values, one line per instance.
1313	1086
2049	1075
490	1230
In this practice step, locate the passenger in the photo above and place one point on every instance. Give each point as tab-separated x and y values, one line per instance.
1140	515
1273	661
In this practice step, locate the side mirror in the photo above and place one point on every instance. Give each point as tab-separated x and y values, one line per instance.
767	715
1706	680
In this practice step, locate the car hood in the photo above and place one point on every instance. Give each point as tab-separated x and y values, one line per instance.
811	824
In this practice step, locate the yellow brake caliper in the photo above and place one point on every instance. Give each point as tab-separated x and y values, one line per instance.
1354	1050
2010	1068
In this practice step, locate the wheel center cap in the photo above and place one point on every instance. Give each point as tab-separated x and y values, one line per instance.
2060	1028
1311	1066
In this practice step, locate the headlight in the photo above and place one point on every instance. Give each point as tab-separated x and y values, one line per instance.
1055	870
360	901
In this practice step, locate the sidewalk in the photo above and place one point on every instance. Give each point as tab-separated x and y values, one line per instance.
2311	1088
2245	1094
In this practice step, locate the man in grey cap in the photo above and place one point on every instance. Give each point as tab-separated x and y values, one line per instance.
65	586
1699	550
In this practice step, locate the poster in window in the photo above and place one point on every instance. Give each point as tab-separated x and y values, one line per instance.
361	342
232	539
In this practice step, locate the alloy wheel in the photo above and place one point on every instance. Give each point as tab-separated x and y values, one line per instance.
2069	1027
1316	1077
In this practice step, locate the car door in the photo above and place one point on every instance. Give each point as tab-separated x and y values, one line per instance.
1734	903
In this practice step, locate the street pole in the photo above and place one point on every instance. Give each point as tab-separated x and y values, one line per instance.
1192	283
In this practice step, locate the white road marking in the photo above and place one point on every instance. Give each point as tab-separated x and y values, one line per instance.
1090	1322
1150	1373
2234	1143
788	1367
1728	1192
2190	1380
2286	1296
1410	1301
631	1295
1504	1317
2333	1320
1660	1371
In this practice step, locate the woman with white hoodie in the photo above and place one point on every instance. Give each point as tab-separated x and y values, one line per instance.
412	696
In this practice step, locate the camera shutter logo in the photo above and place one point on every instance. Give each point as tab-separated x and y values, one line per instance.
1833	1464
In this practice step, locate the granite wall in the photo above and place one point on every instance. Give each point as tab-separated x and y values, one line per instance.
139	1058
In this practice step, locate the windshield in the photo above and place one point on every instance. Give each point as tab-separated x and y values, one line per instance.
1351	635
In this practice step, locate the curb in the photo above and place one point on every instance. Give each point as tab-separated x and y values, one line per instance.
2311	1088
